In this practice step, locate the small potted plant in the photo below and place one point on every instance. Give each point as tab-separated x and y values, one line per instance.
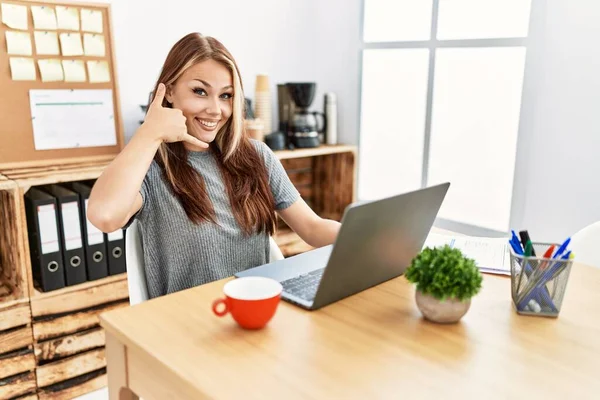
446	281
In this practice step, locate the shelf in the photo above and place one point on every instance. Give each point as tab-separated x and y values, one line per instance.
326	179
316	151
79	297
290	243
29	179
76	288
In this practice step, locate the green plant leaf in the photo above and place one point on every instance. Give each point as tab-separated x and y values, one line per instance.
444	272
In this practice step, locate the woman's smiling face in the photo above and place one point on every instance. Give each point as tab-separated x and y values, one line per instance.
204	94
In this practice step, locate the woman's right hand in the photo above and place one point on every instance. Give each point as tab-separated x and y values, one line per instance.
168	123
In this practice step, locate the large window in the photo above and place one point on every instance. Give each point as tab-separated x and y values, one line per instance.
440	101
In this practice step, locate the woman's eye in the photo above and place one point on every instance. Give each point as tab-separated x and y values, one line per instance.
227	96
200	91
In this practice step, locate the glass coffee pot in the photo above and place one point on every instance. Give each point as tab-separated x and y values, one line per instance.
306	129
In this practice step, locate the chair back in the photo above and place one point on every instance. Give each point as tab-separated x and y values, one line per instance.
134	257
275	253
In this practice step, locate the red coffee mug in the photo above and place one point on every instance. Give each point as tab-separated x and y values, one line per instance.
251	301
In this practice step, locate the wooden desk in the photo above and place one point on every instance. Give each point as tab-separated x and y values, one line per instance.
371	345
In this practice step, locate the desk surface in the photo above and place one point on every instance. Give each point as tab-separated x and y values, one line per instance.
372	345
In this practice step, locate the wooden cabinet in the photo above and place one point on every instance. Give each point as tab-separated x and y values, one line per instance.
326	179
17	361
51	344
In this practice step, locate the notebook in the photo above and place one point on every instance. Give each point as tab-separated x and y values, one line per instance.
490	254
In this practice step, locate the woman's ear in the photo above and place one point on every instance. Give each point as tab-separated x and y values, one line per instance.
169	94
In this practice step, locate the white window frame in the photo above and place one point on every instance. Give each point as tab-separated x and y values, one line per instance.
433	44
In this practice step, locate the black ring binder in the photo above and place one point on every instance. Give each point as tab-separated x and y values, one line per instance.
117	252
75	261
53	266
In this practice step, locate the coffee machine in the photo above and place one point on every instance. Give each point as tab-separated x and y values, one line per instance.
303	128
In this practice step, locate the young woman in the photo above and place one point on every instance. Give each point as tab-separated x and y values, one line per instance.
204	194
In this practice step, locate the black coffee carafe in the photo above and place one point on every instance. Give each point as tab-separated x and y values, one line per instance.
305	129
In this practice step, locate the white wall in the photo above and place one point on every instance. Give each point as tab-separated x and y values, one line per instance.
558	166
309	40
556	186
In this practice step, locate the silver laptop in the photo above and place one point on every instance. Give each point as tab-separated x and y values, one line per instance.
377	241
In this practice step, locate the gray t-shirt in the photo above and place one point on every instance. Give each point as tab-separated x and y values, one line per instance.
179	254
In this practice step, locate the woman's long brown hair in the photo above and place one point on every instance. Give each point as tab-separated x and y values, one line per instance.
244	172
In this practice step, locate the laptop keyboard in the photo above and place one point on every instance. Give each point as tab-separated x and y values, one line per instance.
304	286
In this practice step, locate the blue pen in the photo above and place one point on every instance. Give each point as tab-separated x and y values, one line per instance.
516	242
516	246
539	292
516	249
562	248
556	268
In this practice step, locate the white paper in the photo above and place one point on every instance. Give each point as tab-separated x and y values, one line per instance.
68	18
22	69
48	228
46	43
70	43
437	240
98	71
14	16
43	17
71	225
116	235
18	43
490	254
94	45
91	20
94	235
51	70
67	118
74	70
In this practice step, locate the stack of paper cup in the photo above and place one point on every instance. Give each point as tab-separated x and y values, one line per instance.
262	102
255	129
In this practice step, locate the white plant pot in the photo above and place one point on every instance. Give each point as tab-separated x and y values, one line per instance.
444	312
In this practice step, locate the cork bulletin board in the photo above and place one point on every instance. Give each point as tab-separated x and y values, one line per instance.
17	143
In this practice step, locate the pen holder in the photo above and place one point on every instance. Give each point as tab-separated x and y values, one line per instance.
538	284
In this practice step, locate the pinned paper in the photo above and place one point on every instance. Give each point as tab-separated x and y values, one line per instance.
14	16
98	71
93	44
70	43
68	18
59	115
22	69
46	43
51	70
43	17
91	20
74	70
18	43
